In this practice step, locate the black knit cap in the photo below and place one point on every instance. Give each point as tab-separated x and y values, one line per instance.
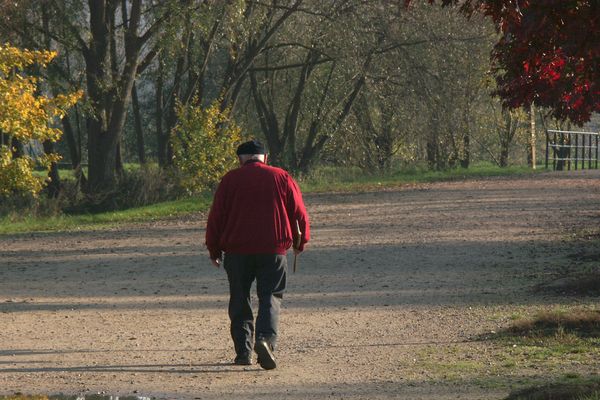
251	147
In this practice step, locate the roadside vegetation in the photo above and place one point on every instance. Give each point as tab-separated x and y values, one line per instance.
146	195
568	336
340	179
576	388
416	93
560	330
23	397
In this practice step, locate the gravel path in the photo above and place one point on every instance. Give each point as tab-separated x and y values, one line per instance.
388	301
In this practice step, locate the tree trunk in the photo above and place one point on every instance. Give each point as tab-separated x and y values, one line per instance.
563	152
290	126
268	123
139	133
71	142
465	160
171	117
102	153
17	148
119	166
531	160
74	152
110	95
159	115
53	187
503	155
101	142
432	152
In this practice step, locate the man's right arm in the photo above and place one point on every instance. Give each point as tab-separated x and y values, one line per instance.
214	226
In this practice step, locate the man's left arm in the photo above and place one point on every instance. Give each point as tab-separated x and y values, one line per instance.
297	212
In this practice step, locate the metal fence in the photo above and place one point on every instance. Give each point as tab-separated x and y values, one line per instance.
572	149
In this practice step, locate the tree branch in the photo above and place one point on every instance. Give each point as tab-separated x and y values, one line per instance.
73	29
148	58
153	29
289	66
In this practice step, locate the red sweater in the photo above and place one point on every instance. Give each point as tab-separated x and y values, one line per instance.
253	211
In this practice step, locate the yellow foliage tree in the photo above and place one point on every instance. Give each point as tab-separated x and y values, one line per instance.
203	145
26	115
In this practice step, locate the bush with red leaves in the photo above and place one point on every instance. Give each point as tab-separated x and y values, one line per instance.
548	53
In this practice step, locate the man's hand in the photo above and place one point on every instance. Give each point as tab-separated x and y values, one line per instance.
216	262
297	252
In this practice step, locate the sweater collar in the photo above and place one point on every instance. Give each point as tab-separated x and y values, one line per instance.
253	162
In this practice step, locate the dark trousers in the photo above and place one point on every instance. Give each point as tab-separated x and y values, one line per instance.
269	271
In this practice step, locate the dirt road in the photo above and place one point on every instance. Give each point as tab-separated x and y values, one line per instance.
388	302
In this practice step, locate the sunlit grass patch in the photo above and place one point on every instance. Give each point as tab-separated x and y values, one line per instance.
353	179
552	341
23	397
558	324
164	210
454	370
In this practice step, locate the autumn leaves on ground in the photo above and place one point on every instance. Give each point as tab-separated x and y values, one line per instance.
471	290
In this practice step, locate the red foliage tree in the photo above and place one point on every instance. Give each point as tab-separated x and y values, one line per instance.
548	54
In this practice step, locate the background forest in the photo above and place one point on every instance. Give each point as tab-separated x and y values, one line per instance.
174	85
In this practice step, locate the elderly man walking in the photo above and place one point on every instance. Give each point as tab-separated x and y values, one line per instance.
250	227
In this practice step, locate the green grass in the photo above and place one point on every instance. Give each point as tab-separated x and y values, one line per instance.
324	179
552	337
453	369
164	210
337	179
557	324
549	341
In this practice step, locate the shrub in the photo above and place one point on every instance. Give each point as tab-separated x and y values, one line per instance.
138	187
147	185
203	143
25	115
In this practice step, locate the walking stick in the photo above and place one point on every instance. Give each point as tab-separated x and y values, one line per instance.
297	241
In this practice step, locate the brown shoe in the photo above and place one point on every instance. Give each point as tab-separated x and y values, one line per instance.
244	359
266	359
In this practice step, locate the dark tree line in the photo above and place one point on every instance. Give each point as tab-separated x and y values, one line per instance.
338	81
